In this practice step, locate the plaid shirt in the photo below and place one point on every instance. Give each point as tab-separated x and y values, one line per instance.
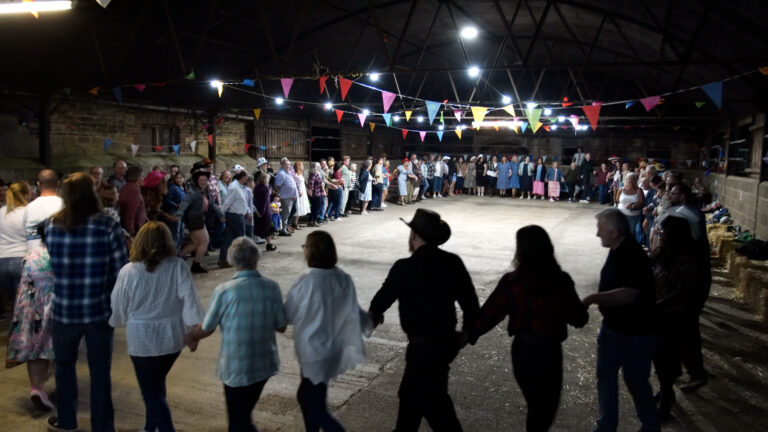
315	185
213	186
85	264
249	309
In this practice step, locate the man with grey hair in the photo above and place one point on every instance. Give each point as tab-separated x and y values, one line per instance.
285	186
249	309
117	179
626	298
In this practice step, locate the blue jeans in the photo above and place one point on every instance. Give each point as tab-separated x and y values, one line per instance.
10	276
316	208
603	189
438	184
424	188
235	229
98	341
312	400
151	373
378	191
636	227
633	355
334	203
285	212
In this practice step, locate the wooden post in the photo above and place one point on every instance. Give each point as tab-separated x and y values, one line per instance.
212	132
44	139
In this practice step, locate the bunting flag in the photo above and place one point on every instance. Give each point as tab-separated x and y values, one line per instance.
629	104
134	149
387	119
457	114
440	135
478	113
432	108
422	134
593	113
533	116
322	80
220	87
548	129
537	126
361	117
193	145
408	115
118	92
650	102
574	119
286	83
210	140
458	131
495	127
249	82
386	100
107	143
257	113
699	104
523	126
565	102
190	75
176	148
104	3
715	92
764	70
405	132
139	87
339	115
247	146
158	148
220	120
510	109
372	125
94	91
442	120
345	85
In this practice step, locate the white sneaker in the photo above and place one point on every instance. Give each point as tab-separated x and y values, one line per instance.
529	197
584	201
383	205
521	197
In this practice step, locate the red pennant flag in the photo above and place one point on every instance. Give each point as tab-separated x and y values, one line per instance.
247	146
593	113
158	148
210	140
339	115
345	85
546	128
405	132
566	103
139	87
323	79
220	120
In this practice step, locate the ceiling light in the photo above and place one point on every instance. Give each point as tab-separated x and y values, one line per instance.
216	83
531	105
469	32
506	99
34	7
396	118
420	118
366	112
279	100
553	127
440	127
547	112
375	76
561	118
473	71
328	105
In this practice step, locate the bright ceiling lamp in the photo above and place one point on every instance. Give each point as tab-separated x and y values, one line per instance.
34	7
374	76
506	99
547	111
469	32
473	71
279	100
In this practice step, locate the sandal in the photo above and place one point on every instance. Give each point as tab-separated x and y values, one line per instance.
271	247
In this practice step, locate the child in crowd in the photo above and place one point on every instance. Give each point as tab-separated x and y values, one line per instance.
275	207
109	195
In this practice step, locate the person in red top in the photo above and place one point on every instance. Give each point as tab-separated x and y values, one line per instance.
133	215
602	182
540	300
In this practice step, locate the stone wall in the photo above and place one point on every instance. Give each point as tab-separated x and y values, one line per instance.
745	198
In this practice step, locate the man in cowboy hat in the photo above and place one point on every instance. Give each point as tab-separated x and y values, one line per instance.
428	317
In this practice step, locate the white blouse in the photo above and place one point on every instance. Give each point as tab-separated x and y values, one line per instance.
328	323
13	237
156	307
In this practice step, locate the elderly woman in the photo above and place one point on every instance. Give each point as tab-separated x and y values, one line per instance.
402	179
328	326
262	225
470	182
514	176
505	172
249	310
554	178
631	203
193	210
155	297
316	193
365	187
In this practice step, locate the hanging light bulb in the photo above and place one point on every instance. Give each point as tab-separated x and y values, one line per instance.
366	112
506	99
469	32
375	76
531	105
553	127
279	100
396	118
328	105
560	119
440	127
473	71
420	119
547	112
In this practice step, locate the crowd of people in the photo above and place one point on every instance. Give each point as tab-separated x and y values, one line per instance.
89	254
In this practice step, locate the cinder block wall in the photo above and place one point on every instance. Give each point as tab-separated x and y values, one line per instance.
746	200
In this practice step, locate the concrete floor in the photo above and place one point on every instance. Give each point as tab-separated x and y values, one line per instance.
482	386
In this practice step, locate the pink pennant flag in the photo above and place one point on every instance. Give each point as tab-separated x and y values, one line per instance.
139	87
650	102
457	113
361	116
386	99
422	134
286	83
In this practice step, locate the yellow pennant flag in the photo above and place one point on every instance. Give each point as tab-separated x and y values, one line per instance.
538	125
257	113
458	132
495	127
372	125
478	113
510	109
764	70
94	91
408	115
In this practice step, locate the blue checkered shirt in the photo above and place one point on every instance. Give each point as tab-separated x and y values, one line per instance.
85	263
249	309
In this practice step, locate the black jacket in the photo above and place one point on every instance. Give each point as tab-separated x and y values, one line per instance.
362	181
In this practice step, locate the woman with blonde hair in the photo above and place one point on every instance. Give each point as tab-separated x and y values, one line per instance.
13	240
155	297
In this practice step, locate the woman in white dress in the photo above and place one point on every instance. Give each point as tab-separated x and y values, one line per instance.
365	186
302	204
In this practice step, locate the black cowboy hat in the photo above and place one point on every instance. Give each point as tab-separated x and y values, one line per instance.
199	173
428	225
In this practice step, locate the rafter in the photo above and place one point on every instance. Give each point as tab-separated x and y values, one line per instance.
689	49
403	33
537	32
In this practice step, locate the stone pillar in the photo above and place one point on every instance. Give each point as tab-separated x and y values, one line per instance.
756	155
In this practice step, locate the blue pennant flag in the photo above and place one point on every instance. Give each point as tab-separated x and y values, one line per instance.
440	135
387	119
262	147
176	148
432	108
249	82
118	92
107	143
629	104
523	126
715	92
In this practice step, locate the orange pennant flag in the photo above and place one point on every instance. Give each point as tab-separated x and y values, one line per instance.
764	70
210	140
94	91
257	113
372	125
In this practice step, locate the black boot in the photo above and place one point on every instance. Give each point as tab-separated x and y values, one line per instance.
197	268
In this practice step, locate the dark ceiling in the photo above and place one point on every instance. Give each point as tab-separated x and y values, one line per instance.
590	50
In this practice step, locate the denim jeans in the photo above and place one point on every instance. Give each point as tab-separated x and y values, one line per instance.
424	187
151	373
10	276
438	184
235	229
376	194
177	231
636	227
240	403
602	194
334	203
316	208
312	400
633	355
285	211
98	341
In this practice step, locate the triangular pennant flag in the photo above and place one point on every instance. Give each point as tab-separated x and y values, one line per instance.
323	79
139	87
495	127
339	115
523	126
533	115
629	104
439	135
371	125
764	70
510	109
547	128
432	108
118	92
650	102
361	117
220	120
442	120
478	113
715	92
565	102
257	113
593	113
193	145
210	140
176	148
286	83
134	149
699	104
94	91
190	75
458	131
422	134
537	126
457	114
249	82
345	85
247	146
387	119
405	132
574	119
158	148
408	115
386	99
104	3
107	143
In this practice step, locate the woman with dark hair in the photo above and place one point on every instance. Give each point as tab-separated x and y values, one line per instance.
678	273
365	186
525	171
262	224
540	300
328	326
480	167
171	203
193	211
155	298
539	178
502	184
492	174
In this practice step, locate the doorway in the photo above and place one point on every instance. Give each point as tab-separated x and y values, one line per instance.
325	143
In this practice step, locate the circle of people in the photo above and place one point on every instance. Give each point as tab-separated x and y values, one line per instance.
76	271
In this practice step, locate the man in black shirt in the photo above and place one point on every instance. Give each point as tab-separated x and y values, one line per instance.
428	317
626	298
585	177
